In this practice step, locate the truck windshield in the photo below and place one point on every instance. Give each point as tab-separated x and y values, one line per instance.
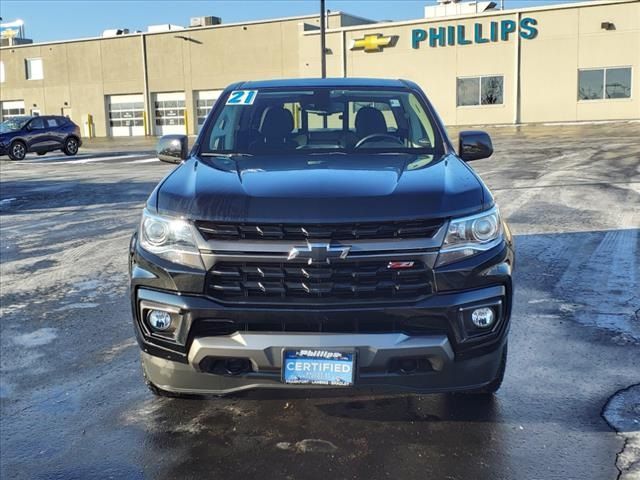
275	121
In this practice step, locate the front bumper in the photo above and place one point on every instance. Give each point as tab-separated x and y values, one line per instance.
451	359
452	355
374	353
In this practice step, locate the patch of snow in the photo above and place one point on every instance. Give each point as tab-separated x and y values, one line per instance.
36	339
308	445
76	306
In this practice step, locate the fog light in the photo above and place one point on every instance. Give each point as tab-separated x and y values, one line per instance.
159	320
482	317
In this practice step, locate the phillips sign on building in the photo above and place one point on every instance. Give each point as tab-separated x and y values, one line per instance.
459	35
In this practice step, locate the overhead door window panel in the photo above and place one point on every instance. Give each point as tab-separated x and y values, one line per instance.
12	109
205	99
126	115
169	113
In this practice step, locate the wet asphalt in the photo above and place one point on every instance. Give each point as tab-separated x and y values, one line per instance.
73	404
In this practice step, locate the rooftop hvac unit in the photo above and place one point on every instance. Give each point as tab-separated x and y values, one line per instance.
448	8
205	21
114	32
9	42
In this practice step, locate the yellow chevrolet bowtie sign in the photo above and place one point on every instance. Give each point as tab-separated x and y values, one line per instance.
371	43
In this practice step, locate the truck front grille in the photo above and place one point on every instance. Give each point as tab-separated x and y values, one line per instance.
345	231
358	323
298	282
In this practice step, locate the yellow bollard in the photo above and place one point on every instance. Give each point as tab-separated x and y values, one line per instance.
90	127
144	122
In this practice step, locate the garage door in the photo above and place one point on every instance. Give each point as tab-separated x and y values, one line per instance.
12	109
126	115
204	101
169	113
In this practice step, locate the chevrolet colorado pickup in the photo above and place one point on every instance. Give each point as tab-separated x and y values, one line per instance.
322	233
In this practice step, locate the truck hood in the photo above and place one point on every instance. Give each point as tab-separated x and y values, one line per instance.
320	188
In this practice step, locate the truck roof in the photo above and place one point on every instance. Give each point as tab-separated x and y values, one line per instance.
324	82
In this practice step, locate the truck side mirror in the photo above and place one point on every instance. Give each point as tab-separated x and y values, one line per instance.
173	148
474	145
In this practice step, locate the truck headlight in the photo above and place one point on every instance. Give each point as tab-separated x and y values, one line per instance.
469	236
170	238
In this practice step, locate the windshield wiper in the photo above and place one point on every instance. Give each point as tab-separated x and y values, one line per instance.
226	155
325	152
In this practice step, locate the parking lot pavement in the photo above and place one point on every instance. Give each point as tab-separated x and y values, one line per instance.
73	404
91	156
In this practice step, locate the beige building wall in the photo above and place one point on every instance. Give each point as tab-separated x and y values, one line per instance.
77	76
572	39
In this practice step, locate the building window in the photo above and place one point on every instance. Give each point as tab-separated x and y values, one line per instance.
604	83
34	69
468	91
1	72
472	91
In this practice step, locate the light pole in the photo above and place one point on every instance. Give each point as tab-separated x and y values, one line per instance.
323	60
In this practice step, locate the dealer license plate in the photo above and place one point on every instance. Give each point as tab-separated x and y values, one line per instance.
318	367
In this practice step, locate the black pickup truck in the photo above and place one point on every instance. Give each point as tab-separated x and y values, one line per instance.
322	233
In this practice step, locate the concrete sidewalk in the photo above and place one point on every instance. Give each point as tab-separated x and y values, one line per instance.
118	144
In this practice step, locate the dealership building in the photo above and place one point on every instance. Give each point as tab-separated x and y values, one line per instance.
478	64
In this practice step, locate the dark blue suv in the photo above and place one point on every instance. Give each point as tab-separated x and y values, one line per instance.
41	134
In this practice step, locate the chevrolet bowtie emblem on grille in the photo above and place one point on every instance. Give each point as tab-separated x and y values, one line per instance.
373	43
318	253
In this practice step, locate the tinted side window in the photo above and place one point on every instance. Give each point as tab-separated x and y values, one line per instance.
37	123
52	123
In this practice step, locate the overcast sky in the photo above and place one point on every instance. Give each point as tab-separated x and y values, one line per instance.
47	20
